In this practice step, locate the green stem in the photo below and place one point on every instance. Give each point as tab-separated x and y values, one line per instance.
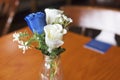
53	69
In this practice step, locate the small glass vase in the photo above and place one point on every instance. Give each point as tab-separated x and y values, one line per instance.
51	68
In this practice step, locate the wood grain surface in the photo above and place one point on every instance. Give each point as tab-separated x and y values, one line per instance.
78	63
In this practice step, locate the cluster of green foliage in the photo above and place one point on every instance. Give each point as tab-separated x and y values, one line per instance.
44	48
40	39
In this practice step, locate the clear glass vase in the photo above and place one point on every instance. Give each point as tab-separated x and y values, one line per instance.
51	68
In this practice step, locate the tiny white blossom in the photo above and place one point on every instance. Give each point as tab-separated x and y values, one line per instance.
16	36
23	46
67	19
38	38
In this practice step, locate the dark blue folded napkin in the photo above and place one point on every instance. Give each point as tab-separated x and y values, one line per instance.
98	46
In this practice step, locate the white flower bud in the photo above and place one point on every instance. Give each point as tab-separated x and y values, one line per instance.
52	14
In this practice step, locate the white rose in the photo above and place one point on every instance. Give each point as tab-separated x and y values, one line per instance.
54	35
52	14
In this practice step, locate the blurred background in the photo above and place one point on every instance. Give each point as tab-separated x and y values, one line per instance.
28	6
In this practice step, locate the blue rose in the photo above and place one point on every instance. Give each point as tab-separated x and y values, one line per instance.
36	22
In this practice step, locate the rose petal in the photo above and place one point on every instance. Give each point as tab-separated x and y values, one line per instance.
36	22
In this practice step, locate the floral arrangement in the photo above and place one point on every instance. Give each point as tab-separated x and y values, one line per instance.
48	30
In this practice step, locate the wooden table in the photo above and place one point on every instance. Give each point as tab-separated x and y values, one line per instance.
78	63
